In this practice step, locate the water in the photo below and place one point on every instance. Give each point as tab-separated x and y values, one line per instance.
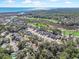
14	9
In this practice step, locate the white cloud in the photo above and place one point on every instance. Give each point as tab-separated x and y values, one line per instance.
10	1
37	3
53	0
34	3
27	1
68	2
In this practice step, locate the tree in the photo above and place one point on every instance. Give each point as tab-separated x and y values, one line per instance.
6	57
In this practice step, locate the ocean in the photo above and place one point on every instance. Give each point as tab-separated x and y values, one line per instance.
6	9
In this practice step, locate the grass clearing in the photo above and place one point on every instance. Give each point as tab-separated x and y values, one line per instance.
50	20
74	32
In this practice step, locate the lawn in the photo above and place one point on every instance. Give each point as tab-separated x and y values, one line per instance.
67	32
39	25
49	20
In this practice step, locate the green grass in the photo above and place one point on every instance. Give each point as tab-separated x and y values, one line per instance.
39	25
67	32
49	20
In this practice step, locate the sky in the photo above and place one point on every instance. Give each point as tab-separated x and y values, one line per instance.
39	3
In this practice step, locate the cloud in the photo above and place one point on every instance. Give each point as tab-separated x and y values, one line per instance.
10	1
53	0
68	2
27	1
34	3
37	3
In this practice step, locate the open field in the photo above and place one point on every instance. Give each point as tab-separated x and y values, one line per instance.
73	32
42	19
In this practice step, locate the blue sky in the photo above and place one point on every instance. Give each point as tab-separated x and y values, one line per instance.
39	3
